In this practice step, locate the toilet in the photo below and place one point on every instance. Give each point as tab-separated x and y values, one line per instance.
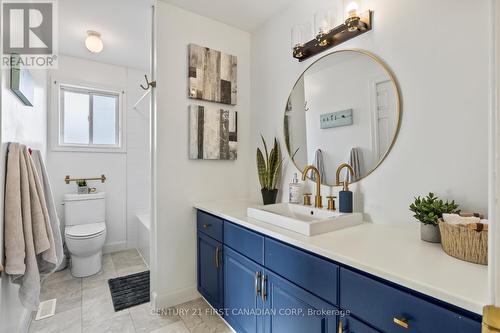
85	231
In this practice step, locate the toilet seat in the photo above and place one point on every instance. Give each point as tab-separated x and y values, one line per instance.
85	231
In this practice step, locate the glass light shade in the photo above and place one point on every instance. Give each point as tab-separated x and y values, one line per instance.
301	34
296	36
93	42
352	8
324	21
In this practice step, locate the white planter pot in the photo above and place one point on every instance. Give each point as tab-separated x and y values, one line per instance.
430	233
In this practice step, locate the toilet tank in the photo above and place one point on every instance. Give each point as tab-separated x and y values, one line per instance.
84	208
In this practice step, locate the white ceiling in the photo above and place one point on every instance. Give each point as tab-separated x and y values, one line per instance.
124	25
243	14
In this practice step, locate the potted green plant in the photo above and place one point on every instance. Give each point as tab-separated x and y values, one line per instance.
82	186
428	211
269	170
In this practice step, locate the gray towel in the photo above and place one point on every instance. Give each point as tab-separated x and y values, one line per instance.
40	220
29	242
318	163
49	202
355	162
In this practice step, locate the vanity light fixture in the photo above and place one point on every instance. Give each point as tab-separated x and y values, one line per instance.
93	42
327	35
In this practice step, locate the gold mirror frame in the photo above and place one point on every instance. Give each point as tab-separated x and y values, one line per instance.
395	85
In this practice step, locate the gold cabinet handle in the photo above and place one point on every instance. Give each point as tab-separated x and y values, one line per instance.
257	276
207	225
401	322
217	251
341	327
263	288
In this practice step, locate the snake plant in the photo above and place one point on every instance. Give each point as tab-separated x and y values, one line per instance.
269	168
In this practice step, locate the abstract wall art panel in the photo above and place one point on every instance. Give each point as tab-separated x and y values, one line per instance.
212	133
212	75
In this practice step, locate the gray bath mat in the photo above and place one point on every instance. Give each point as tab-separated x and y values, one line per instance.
130	290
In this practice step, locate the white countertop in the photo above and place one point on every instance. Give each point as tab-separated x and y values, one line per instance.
394	253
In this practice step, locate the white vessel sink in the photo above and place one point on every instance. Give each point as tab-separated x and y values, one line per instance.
305	220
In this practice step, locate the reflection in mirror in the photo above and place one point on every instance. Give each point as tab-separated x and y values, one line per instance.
343	109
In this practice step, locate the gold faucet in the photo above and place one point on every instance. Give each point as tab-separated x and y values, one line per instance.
317	199
344	183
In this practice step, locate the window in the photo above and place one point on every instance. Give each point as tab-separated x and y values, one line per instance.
89	118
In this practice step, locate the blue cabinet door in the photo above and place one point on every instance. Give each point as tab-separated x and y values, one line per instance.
244	241
291	309
392	310
242	283
314	274
210	272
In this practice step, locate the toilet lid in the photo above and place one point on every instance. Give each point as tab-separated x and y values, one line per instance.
85	230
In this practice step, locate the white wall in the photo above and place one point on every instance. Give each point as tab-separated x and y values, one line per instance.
442	70
121	230
181	181
26	125
138	155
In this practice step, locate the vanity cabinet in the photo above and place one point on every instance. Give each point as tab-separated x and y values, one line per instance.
291	309
318	276
210	272
210	225
242	299
246	242
267	286
257	300
209	253
394	310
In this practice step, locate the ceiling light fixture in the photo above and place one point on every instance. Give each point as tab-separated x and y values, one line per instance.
93	42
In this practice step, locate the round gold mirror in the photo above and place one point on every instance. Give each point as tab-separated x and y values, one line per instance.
344	108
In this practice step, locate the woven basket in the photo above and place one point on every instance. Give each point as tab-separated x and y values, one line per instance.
463	243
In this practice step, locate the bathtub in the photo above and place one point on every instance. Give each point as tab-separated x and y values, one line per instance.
143	232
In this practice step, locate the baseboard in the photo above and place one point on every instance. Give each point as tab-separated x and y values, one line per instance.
114	247
26	318
163	301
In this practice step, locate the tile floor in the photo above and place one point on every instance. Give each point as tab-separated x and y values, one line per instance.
84	305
